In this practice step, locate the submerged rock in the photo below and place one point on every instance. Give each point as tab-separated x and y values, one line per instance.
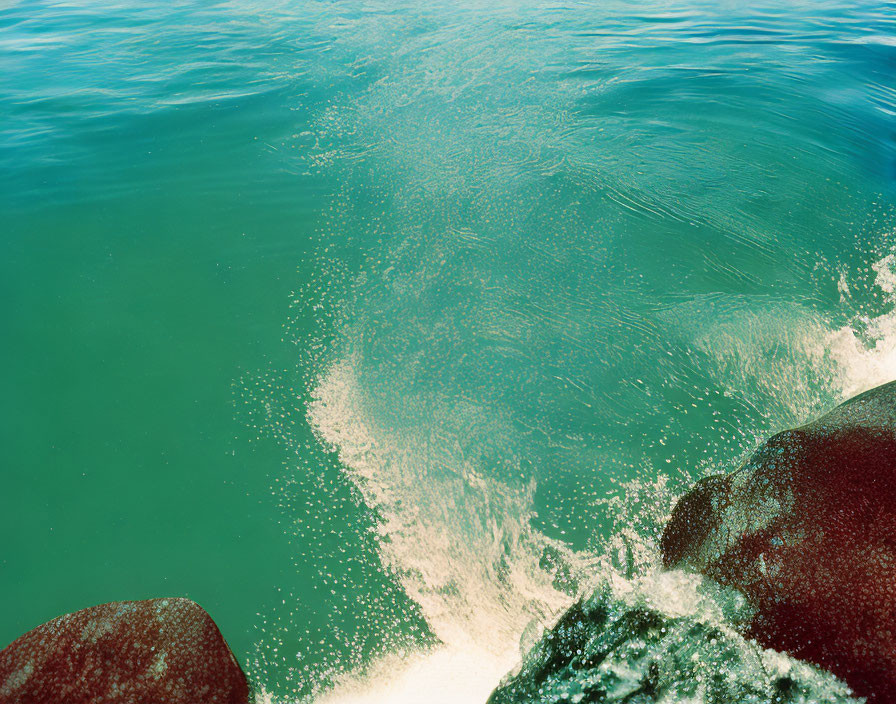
613	649
806	531
132	652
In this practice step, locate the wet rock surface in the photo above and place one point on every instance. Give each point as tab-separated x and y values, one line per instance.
806	531
133	652
608	649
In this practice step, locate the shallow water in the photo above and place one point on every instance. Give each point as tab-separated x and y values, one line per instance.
354	321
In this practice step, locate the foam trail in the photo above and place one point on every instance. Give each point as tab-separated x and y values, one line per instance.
790	362
458	539
443	676
860	365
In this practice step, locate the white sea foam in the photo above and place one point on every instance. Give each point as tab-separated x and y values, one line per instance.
860	355
868	359
789	361
443	676
459	540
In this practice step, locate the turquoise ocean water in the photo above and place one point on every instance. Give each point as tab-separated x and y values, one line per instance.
355	321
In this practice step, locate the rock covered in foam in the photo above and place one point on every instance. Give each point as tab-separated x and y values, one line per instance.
610	649
132	652
806	530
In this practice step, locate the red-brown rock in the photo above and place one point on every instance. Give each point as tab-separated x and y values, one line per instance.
806	530
160	651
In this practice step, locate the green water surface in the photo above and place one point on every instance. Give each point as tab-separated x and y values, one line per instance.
559	246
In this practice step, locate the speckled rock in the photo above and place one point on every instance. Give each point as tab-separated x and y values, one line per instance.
806	530
159	651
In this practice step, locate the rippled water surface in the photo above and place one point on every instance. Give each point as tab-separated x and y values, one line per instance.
356	321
